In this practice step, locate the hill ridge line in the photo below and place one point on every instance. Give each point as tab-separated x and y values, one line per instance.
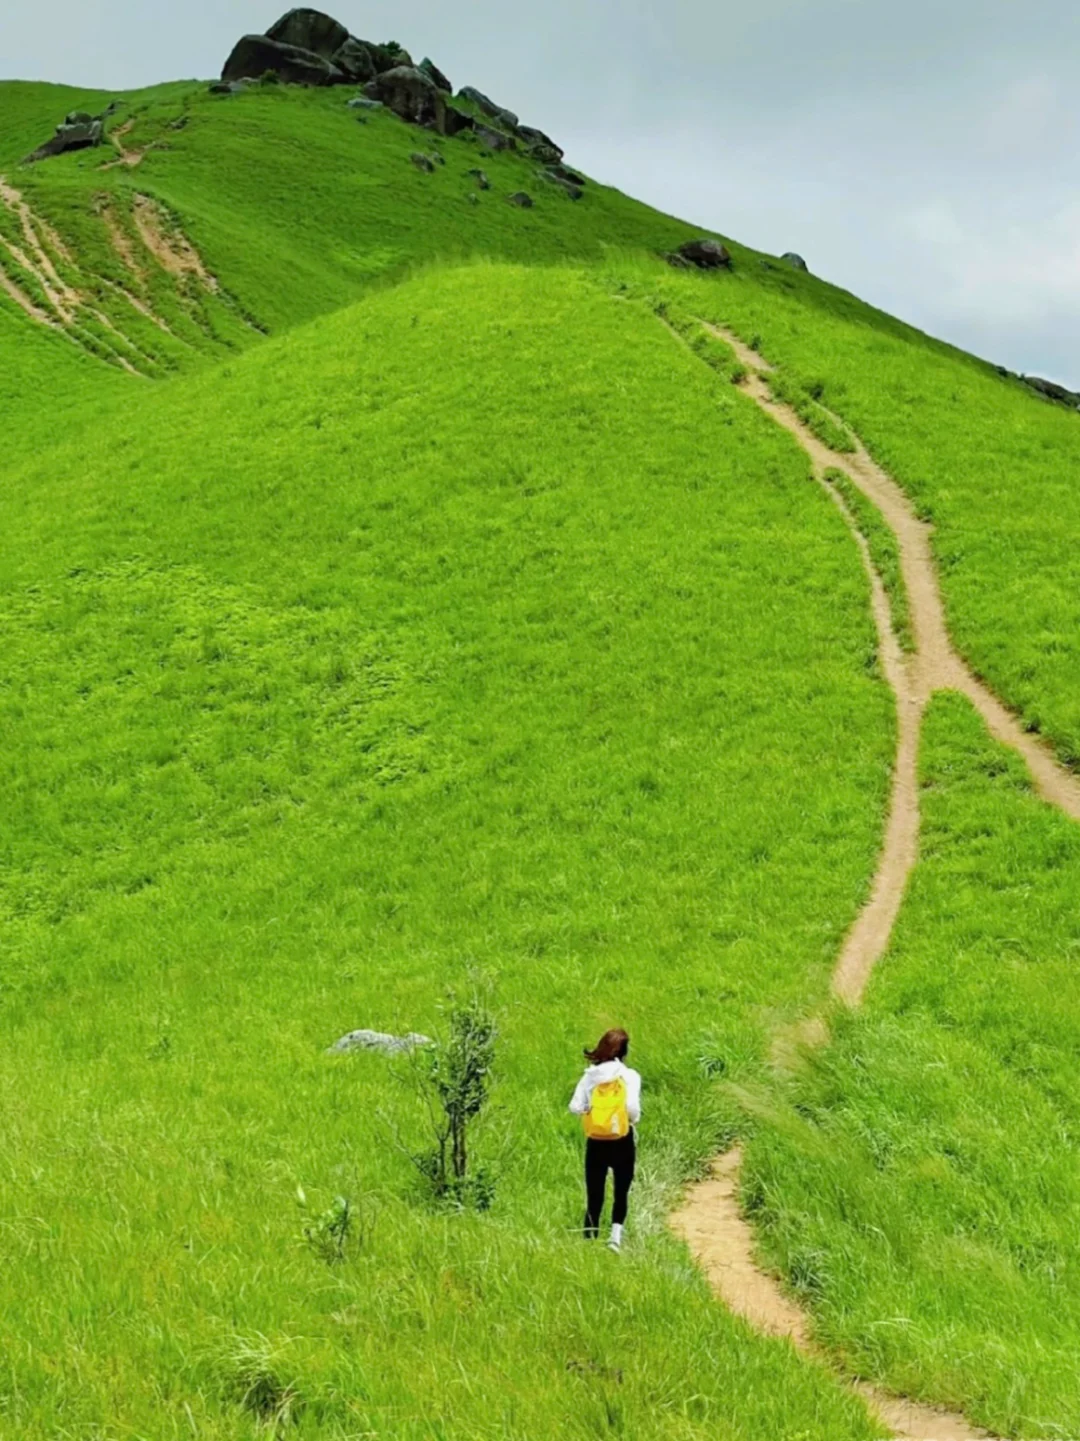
710	1219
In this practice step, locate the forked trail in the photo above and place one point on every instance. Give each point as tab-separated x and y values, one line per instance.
710	1219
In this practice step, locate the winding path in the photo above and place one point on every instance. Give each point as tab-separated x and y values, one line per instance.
710	1219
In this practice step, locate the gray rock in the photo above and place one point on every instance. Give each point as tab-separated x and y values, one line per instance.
540	146
359	102
79	131
487	107
494	139
254	55
423	162
377	1041
411	94
568	187
230	87
566	175
795	261
309	30
706	254
480	176
432	71
523	200
355	61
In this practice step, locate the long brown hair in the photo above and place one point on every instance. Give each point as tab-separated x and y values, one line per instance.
612	1046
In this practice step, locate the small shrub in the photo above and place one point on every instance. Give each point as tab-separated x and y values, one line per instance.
454	1078
330	1233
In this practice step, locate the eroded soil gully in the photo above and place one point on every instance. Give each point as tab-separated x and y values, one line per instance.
710	1220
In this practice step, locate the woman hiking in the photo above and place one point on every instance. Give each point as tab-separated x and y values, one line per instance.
608	1100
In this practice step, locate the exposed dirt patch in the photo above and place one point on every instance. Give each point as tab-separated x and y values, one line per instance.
170	247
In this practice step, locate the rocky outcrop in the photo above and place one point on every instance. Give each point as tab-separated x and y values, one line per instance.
432	71
1050	390
309	47
356	61
310	30
795	261
487	107
521	199
493	140
256	55
411	94
79	131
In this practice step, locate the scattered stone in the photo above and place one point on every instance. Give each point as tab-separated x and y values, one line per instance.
230	87
432	71
795	261
493	139
480	176
254	55
79	131
423	162
473	198
523	200
355	61
361	103
377	1041
310	30
706	254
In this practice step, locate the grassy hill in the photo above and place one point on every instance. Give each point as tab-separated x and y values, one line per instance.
393	603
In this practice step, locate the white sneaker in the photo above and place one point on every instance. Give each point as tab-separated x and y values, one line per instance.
614	1245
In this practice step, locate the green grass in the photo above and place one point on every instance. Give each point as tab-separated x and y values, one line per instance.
884	551
923	1194
470	626
989	463
352	673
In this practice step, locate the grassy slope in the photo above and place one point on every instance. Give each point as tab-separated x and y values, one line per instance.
336	208
936	1235
992	465
334	686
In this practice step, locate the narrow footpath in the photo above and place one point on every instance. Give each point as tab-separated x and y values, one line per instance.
710	1220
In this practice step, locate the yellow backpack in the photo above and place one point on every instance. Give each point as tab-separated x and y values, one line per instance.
607	1118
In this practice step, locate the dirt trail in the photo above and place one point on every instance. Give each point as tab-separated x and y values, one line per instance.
710	1220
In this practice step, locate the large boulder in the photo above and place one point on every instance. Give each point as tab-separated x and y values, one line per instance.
309	30
411	94
255	55
487	107
79	131
432	71
795	261
494	139
540	146
355	61
706	254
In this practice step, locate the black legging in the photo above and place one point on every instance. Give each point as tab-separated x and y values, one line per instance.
618	1157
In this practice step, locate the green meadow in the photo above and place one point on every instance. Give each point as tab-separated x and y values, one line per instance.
336	689
429	614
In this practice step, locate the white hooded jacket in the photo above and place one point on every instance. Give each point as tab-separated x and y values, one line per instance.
581	1103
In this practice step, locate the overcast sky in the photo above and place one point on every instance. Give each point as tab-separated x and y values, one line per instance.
922	154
